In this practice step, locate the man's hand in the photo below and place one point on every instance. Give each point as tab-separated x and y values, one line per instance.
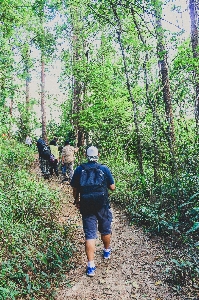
77	204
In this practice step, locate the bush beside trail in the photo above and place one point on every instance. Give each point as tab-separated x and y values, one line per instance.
35	248
168	209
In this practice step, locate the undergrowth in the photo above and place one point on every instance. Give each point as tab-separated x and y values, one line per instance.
35	249
169	209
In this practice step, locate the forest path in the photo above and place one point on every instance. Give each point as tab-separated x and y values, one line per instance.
132	272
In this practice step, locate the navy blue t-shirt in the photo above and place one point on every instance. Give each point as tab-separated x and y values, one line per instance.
76	176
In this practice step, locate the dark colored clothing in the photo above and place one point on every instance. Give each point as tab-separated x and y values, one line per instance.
54	167
44	162
53	142
88	204
63	169
40	145
76	177
102	218
68	168
101	221
44	166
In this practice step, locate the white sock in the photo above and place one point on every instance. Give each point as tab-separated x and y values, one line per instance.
107	250
91	264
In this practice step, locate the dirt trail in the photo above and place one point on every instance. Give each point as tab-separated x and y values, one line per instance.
133	271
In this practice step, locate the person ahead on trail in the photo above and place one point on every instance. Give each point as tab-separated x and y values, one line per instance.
54	158
56	140
40	146
44	156
90	184
68	158
28	141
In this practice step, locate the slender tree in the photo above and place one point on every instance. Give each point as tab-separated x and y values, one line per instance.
163	65
12	17
27	62
78	61
193	9
135	110
152	104
45	42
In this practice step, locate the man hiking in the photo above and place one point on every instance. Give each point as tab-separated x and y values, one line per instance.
28	141
44	156
68	158
90	183
54	158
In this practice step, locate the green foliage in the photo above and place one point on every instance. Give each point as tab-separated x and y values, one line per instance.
169	209
113	115
183	268
26	122
46	42
34	248
13	16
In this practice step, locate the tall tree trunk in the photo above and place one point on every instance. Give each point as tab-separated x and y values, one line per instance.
11	113
162	61
27	89
39	9
28	76
193	8
135	112
26	117
78	86
77	107
152	105
43	105
154	125
27	93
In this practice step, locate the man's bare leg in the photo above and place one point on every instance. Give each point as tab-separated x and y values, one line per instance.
90	249
106	239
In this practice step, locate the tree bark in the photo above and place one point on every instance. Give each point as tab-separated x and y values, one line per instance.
27	93
78	85
43	106
135	112
27	72
193	9
164	73
152	106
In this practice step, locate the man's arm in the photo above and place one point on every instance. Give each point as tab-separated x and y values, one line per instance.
110	180
76	197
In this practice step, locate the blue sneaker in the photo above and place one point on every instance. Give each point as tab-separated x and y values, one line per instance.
107	254
90	271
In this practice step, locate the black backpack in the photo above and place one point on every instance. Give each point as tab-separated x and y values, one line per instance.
40	144
93	189
44	151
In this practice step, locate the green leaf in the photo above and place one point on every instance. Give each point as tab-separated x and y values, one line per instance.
194	228
195	195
